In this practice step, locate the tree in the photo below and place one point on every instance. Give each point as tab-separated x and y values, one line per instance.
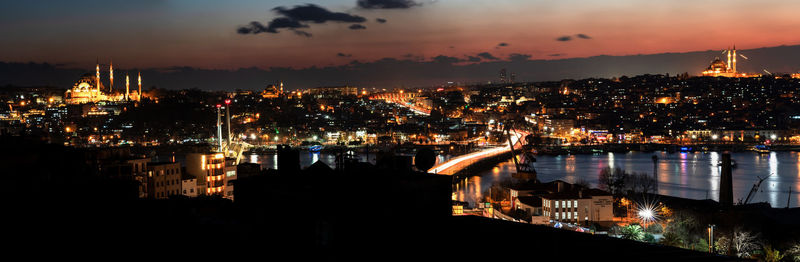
794	252
640	183
613	180
632	232
772	255
649	238
671	239
654	228
722	245
744	243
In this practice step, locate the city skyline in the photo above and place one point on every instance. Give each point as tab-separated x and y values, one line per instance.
392	73
299	35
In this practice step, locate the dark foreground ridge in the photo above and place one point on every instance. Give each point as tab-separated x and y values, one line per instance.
55	202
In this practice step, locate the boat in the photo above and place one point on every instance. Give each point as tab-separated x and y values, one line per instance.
315	148
761	149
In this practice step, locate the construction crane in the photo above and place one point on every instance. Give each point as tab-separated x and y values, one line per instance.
755	189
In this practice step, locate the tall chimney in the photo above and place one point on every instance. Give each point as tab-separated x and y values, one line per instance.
726	182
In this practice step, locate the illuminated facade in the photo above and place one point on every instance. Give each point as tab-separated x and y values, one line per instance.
726	69
212	172
273	91
89	89
86	90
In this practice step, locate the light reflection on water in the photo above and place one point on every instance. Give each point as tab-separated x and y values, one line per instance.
690	175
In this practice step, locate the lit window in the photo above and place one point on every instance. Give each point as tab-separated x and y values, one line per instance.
563	203
576	215
576	203
556	204
556	215
569	204
569	215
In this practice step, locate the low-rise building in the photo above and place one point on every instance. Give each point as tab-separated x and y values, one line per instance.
164	179
189	186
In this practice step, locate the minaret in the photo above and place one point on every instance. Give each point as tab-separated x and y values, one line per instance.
734	59
140	87
127	87
111	77
729	59
97	77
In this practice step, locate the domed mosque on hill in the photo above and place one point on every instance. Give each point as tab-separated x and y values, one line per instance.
89	89
726	69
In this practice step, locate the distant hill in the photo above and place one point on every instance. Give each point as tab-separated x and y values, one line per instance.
392	72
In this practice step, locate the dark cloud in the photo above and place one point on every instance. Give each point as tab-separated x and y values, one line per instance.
386	4
357	27
487	56
555	54
564	38
343	55
473	59
380	20
516	57
316	14
294	18
445	59
451	47
583	36
502	44
277	23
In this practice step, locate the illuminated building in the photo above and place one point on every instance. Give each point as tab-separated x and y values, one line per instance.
86	90
89	89
273	91
213	173
718	67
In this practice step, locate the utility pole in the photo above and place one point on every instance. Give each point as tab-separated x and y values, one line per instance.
219	128
711	238
228	115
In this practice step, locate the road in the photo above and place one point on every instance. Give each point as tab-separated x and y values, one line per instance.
458	163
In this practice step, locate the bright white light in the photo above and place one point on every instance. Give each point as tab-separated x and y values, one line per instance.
646	214
314	137
714	137
773	136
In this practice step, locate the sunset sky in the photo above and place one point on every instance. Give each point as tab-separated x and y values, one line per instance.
205	33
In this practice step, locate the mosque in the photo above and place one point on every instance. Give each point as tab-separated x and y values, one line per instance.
89	89
726	69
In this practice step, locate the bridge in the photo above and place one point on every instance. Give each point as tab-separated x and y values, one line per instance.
456	164
404	99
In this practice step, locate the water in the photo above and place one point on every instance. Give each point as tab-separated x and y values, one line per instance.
687	175
270	161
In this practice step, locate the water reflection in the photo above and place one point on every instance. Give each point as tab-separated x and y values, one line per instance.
713	179
690	175
693	176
